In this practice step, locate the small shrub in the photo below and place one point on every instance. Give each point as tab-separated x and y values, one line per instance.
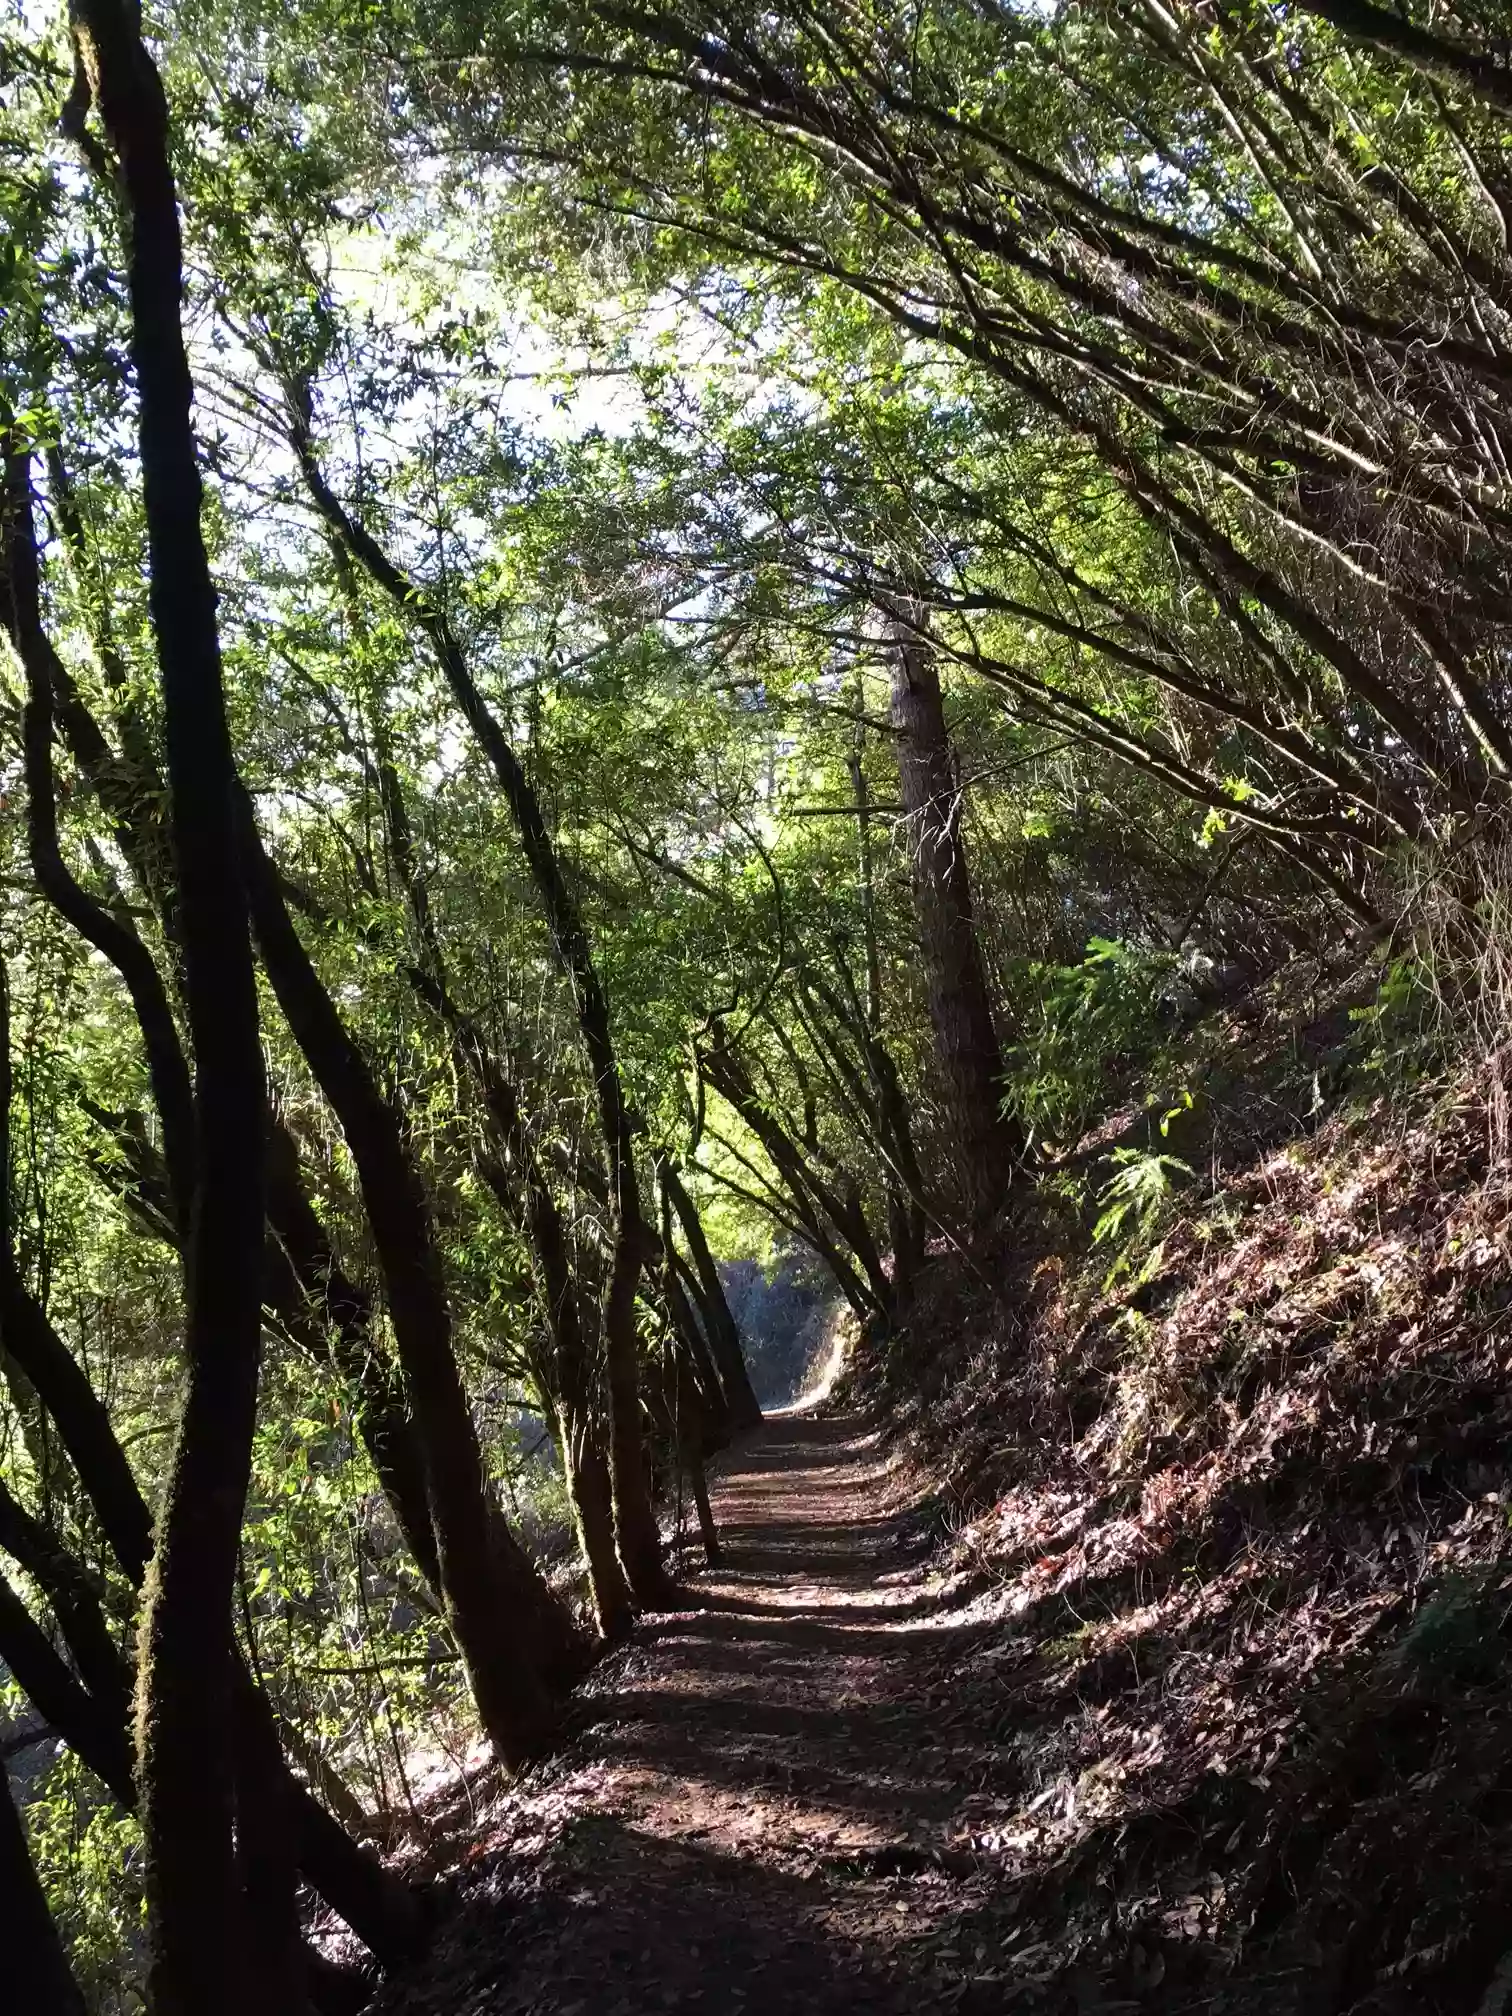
1135	1197
1104	1010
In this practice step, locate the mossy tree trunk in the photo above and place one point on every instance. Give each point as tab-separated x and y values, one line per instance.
184	1730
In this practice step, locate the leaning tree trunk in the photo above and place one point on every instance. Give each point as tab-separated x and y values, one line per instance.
519	1185
185	1747
723	1331
499	1636
306	1261
379	1907
39	1980
817	1206
967	1052
573	1387
634	1512
384	1423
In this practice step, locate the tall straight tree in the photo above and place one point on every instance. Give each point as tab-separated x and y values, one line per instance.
184	1729
967	1052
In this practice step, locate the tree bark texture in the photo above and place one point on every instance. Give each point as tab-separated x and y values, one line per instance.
196	1934
500	1650
969	1058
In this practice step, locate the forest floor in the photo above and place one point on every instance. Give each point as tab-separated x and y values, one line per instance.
1148	1647
768	1802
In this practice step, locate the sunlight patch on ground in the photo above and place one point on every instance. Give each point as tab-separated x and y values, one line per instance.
831	1365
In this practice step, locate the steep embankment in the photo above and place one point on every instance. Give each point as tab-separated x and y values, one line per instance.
1199	1706
1246	1515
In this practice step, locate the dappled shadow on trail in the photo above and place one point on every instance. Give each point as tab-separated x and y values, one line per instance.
816	1788
756	1808
798	1793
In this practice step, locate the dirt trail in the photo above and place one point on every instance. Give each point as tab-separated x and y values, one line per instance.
763	1805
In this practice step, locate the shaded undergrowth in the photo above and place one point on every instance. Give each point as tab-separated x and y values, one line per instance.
1242	1515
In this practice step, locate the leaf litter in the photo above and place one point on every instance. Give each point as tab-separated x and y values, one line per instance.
1156	1658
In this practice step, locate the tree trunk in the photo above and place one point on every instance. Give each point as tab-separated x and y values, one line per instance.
634	1514
80	1416
21	613
686	1428
527	1199
969	1059
694	1351
812	1200
499	1643
905	1213
379	1907
388	1433
91	1729
589	1490
1449	58
265	1845
723	1331
708	1531
877	1097
385	1429
73	1600
38	1978
196	1935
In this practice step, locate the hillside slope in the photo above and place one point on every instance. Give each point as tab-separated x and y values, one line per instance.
1244	1515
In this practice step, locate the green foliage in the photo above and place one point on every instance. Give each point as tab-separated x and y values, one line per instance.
1088	1026
89	1857
1403	1031
668	415
1137	1195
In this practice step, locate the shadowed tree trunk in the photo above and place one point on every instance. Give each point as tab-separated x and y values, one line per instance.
332	1862
87	1726
266	1855
394	1439
185	1749
39	1980
380	1908
905	1211
872	1088
723	1332
695	1356
21	613
523	1192
382	1911
967	1052
818	1209
513	1173
388	1433
1450	58
680	1402
306	1266
74	1603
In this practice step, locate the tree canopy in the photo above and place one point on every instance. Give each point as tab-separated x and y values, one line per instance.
643	637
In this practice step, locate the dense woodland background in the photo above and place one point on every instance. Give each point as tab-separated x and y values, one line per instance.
678	675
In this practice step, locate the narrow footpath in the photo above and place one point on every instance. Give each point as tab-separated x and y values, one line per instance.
769	1800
